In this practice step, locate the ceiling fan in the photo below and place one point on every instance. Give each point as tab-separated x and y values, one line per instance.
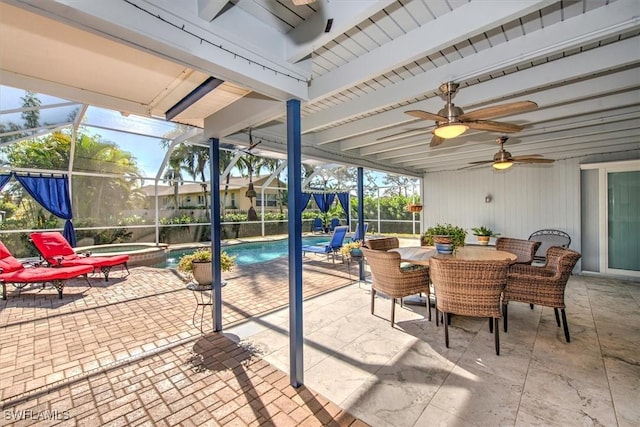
451	121
252	144
504	160
236	149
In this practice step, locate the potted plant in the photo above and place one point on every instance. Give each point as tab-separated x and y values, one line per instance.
445	237
198	265
351	249
483	234
415	206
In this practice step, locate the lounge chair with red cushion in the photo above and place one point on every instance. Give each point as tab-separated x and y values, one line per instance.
57	252
13	271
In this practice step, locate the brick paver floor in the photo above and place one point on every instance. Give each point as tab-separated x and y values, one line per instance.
128	352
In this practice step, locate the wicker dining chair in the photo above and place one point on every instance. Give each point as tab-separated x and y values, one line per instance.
395	282
523	249
383	243
542	285
469	288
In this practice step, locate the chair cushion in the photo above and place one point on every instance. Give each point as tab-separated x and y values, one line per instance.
7	262
44	274
95	261
405	267
52	244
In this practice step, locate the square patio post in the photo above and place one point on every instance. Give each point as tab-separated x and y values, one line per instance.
214	170
294	160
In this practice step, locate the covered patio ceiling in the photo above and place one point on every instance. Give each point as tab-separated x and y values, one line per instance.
356	66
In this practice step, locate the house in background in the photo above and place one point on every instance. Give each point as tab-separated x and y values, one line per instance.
191	195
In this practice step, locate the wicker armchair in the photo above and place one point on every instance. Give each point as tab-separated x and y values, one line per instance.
469	288
542	285
383	244
524	249
389	279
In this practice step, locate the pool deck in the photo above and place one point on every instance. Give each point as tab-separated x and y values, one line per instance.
130	352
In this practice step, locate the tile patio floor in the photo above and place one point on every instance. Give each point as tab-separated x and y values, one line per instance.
127	352
405	376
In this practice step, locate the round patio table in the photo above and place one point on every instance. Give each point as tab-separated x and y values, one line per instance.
420	255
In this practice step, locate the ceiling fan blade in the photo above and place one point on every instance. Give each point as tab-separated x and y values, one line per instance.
408	131
436	140
533	160
481	162
426	115
499	110
494	126
527	157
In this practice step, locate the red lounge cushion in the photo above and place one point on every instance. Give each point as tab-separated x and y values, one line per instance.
7	262
96	261
52	244
55	248
44	274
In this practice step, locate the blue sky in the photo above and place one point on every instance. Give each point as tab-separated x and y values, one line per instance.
134	137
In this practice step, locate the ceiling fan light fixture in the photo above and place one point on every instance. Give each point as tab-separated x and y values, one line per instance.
302	2
502	165
452	130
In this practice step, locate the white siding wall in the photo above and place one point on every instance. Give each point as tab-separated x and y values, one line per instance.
525	198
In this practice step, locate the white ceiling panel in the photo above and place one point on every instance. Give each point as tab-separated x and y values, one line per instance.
578	60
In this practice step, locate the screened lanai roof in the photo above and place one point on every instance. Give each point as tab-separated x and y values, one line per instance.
142	136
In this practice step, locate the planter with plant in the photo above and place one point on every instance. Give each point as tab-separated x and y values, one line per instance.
351	249
415	206
483	234
198	265
445	237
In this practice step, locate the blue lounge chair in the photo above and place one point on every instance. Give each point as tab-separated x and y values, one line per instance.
317	225
335	222
331	248
357	236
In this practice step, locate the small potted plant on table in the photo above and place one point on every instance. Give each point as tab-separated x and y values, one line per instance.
483	234
445	237
198	265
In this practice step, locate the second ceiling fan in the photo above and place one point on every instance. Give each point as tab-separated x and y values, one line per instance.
451	121
504	160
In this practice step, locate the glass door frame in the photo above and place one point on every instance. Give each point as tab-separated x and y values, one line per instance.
603	199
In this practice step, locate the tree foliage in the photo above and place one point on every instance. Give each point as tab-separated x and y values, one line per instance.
92	196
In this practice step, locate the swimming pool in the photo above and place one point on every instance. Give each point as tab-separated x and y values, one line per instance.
251	253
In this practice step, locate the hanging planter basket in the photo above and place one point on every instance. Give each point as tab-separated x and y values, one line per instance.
414	207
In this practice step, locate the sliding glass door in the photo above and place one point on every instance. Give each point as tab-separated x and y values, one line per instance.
623	221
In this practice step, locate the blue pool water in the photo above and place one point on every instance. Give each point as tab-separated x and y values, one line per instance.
252	253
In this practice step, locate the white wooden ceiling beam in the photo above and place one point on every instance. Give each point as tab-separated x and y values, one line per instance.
590	62
606	99
235	47
573	33
458	25
249	111
208	9
310	35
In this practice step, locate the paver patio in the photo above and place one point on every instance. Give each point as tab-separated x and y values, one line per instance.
127	352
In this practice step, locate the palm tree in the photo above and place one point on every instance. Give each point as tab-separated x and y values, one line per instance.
194	159
173	177
225	161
